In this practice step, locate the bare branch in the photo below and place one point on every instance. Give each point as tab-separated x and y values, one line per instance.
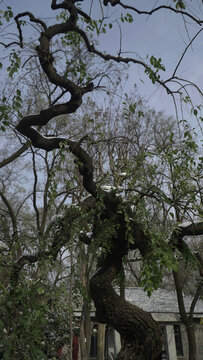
184	52
10	44
158	8
11	212
35	191
16	154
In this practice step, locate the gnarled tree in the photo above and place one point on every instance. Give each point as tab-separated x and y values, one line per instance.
142	335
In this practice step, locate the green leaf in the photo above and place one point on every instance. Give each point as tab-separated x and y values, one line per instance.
40	290
46	308
132	108
175	266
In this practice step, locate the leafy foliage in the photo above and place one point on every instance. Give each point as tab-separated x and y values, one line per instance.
7	15
156	63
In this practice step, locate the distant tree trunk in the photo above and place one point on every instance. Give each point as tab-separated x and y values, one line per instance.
122	291
85	332
70	301
187	319
83	348
191	342
86	325
101	341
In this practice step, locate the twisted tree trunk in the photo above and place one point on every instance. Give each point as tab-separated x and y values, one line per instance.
142	335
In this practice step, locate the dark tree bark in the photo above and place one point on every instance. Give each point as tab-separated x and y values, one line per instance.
142	337
141	334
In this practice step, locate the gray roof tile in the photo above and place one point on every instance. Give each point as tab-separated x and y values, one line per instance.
160	301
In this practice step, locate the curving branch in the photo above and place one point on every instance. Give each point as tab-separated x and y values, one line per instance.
177	237
119	59
32	19
9	44
158	8
187	229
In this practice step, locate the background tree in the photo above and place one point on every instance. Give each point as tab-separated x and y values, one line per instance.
52	184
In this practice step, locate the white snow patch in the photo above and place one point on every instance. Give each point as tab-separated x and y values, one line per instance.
185	224
96	272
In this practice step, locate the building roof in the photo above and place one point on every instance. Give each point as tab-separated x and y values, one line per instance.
161	301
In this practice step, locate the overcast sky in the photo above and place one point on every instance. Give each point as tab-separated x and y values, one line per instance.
162	35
